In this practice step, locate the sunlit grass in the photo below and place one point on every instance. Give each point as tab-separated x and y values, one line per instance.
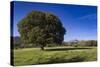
30	56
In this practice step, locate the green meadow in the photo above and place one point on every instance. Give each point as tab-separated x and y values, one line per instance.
64	54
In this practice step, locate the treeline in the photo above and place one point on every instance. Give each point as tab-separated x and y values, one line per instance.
81	43
16	43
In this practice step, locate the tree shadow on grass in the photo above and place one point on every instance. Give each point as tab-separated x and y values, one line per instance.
63	49
62	60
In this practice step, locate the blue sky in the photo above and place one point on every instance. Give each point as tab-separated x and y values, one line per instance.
79	21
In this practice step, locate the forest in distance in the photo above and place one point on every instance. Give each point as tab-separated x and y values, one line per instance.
76	43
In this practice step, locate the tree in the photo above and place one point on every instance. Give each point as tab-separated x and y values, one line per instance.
41	28
91	43
75	43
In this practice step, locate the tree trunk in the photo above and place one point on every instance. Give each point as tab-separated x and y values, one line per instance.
42	48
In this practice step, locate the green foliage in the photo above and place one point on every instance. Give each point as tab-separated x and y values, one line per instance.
91	43
77	43
41	28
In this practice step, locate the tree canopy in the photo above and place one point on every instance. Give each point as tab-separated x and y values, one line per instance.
41	28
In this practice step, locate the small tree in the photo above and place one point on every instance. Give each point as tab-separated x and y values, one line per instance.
41	28
75	43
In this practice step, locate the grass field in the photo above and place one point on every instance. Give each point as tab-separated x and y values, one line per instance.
31	56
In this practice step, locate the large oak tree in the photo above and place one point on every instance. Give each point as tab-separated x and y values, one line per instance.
41	28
